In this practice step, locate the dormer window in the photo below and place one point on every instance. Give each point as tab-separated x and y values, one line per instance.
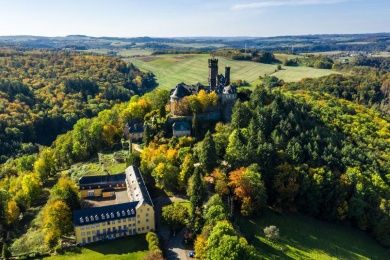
118	214
96	217
128	212
123	213
81	220
102	216
92	219
108	216
112	215
86	219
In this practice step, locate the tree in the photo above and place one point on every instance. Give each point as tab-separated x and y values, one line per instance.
221	182
249	189
215	210
186	170
12	212
196	189
44	165
207	153
176	215
56	221
200	246
197	192
236	153
67	191
271	232
224	243
241	115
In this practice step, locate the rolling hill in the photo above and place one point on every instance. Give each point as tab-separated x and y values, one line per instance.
192	68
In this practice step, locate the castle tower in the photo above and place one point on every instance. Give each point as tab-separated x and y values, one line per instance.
227	76
213	72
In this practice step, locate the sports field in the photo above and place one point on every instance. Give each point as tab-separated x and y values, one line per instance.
171	69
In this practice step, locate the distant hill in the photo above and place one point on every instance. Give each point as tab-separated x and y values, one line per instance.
303	43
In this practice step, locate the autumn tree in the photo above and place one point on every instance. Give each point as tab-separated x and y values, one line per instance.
249	189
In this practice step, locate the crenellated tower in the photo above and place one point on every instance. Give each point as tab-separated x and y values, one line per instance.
213	73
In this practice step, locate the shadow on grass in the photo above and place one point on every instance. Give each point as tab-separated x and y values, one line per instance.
120	246
304	237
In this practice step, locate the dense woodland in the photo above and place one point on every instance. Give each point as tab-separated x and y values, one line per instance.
43	93
319	147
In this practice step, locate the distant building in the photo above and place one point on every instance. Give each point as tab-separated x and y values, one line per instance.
113	206
134	130
218	83
181	128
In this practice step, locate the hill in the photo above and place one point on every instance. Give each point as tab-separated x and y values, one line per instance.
192	68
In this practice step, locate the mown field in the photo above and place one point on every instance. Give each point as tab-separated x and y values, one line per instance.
307	238
191	68
134	248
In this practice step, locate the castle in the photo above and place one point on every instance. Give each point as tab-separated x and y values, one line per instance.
113	206
218	83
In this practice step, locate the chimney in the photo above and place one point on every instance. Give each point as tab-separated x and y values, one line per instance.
213	72
227	76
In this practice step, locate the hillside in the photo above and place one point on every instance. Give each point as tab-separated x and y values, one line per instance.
192	68
42	94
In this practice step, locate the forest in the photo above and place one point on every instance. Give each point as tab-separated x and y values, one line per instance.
44	93
319	147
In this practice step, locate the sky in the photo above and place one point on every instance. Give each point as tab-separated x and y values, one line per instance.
182	18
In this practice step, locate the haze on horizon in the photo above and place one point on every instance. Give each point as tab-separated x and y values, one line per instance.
174	18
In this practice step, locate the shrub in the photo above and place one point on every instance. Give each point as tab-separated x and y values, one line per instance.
271	232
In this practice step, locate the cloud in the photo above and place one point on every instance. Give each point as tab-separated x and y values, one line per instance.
272	3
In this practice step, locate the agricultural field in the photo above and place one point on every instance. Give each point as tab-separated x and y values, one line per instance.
303	237
134	248
192	68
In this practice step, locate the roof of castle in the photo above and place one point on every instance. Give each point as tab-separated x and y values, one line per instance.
95	215
138	191
101	180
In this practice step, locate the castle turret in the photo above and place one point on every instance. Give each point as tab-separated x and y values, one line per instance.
213	72
227	76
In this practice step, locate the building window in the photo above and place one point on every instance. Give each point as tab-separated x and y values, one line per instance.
147	220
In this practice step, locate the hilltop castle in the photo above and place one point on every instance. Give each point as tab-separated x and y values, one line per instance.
218	83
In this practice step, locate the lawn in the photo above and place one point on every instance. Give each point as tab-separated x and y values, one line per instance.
126	248
192	68
303	237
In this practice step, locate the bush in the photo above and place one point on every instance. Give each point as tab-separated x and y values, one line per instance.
271	232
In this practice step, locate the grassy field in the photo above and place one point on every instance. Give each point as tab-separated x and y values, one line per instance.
134	248
306	238
191	68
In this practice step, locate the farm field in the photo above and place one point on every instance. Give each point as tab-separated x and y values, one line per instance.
134	248
192	68
303	237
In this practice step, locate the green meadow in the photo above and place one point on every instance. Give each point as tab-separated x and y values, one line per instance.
134	248
171	69
303	237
